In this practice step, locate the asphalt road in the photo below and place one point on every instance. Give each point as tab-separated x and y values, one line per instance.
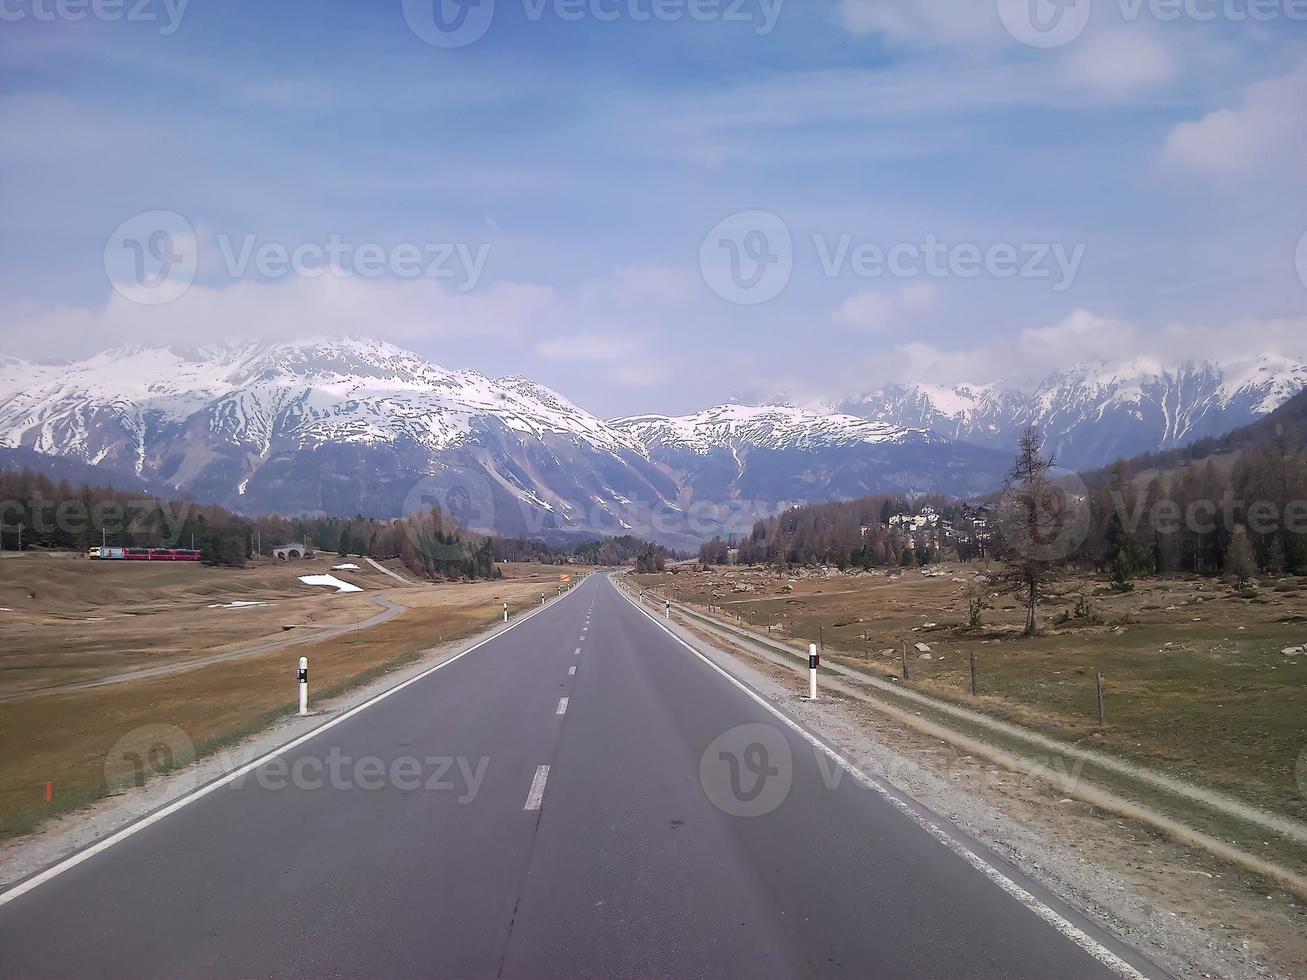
424	836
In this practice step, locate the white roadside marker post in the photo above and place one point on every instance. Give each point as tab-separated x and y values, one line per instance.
506	612
669	608
303	675
814	661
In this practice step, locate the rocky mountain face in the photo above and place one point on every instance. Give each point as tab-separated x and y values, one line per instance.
361	426
1096	413
364	427
758	459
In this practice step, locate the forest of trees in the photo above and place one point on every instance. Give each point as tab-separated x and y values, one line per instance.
833	534
39	512
1181	520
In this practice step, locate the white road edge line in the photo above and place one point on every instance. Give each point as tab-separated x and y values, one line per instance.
1045	912
22	888
562	706
537	794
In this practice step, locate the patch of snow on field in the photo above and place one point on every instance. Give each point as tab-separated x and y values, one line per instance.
348	566
236	604
330	580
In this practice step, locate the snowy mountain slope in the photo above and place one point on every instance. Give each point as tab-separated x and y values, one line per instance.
765	427
360	426
1094	413
275	425
761	459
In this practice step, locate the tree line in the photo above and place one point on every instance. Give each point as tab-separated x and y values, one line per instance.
36	511
846	534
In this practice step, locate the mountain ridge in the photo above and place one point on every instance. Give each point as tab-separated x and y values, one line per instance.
363	426
1095	412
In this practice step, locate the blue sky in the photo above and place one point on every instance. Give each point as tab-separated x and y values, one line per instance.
570	178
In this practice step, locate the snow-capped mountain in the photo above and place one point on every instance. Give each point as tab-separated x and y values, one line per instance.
756	460
759	427
1095	413
361	426
353	426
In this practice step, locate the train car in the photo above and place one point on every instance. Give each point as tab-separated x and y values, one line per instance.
145	554
161	554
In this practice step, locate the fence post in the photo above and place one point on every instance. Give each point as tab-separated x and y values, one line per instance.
905	660
303	676
1098	684
973	674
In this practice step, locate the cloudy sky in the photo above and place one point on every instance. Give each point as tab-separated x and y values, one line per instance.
653	204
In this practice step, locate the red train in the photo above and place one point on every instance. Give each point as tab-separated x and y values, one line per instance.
144	554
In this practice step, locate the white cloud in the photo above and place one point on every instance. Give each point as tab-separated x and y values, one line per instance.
1267	131
872	310
404	311
1085	336
1119	62
587	347
1082	336
624	359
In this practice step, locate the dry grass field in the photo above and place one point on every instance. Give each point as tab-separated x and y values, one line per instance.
70	619
1196	682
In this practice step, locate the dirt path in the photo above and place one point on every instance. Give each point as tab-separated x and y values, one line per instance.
390	609
386	571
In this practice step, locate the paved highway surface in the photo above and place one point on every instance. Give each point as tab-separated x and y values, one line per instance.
582	796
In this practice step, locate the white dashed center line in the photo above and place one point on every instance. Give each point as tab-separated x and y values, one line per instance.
562	706
571	671
537	793
576	652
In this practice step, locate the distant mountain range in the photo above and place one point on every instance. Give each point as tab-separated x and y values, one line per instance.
364	427
1096	413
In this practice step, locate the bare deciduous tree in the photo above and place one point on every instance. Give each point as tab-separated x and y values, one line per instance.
1034	517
